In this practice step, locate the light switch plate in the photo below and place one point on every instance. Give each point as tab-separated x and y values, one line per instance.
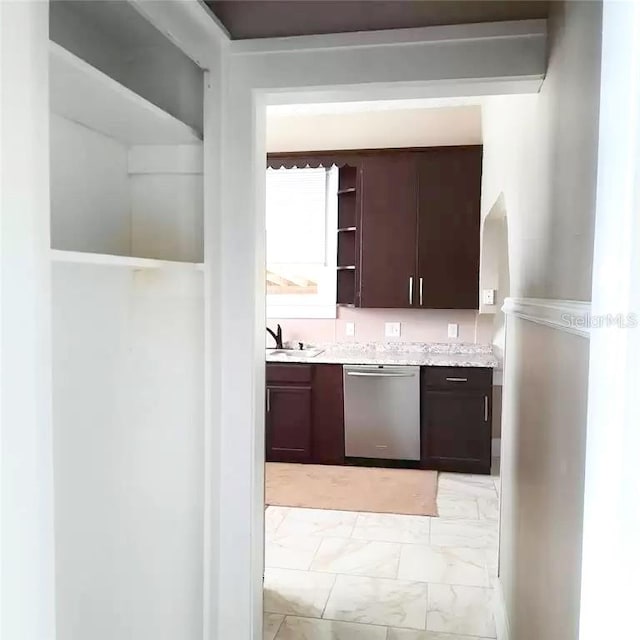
488	296
350	329
392	329
452	330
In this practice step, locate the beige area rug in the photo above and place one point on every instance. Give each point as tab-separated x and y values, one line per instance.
406	491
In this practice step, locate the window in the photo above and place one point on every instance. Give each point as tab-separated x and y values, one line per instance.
301	221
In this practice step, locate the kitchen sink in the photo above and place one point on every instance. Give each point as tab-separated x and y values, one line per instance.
295	353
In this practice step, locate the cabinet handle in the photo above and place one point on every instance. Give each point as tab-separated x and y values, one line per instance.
421	279
457	379
410	290
268	400
486	408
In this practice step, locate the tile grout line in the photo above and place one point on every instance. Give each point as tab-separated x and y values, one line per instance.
398	563
367	624
333	586
284	517
284	617
315	553
355	522
360	624
357	575
426	615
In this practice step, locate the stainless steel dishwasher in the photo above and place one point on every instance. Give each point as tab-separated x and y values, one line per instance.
382	412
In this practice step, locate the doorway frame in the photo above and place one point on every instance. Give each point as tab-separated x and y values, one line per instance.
435	62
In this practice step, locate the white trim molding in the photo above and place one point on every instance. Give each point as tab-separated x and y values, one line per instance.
533	31
572	316
500	612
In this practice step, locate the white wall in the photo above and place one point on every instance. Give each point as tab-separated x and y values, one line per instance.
145	201
166	216
613	437
90	201
26	475
166	189
542	479
417	325
540	156
547	169
128	435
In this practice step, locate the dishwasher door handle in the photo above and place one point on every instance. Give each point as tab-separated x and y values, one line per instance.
371	374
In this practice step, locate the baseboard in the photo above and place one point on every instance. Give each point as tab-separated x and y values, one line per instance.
500	611
495	447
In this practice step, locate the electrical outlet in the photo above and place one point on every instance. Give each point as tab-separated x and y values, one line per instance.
350	329
392	329
488	296
452	330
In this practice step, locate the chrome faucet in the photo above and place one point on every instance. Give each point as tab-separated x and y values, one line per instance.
277	336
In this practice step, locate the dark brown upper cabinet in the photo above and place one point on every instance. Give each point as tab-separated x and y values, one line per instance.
448	245
420	242
389	231
408	225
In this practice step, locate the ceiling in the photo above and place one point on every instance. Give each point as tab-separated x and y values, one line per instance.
367	126
245	19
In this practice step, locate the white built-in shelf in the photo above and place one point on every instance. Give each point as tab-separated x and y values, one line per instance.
83	94
82	257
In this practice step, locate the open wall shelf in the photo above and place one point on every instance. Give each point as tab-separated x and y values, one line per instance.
83	94
82	257
348	238
127	298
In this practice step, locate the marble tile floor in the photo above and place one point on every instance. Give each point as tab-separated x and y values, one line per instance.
336	575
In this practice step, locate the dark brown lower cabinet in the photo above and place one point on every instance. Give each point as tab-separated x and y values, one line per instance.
456	419
328	415
304	413
288	423
305	416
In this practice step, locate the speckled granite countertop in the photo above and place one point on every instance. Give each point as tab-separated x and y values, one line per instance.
399	353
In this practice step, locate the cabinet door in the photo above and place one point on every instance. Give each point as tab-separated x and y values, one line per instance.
328	414
388	240
449	227
288	422
456	430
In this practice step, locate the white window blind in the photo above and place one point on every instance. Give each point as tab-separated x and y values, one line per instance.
296	216
301	222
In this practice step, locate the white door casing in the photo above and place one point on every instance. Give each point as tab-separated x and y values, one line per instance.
433	62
